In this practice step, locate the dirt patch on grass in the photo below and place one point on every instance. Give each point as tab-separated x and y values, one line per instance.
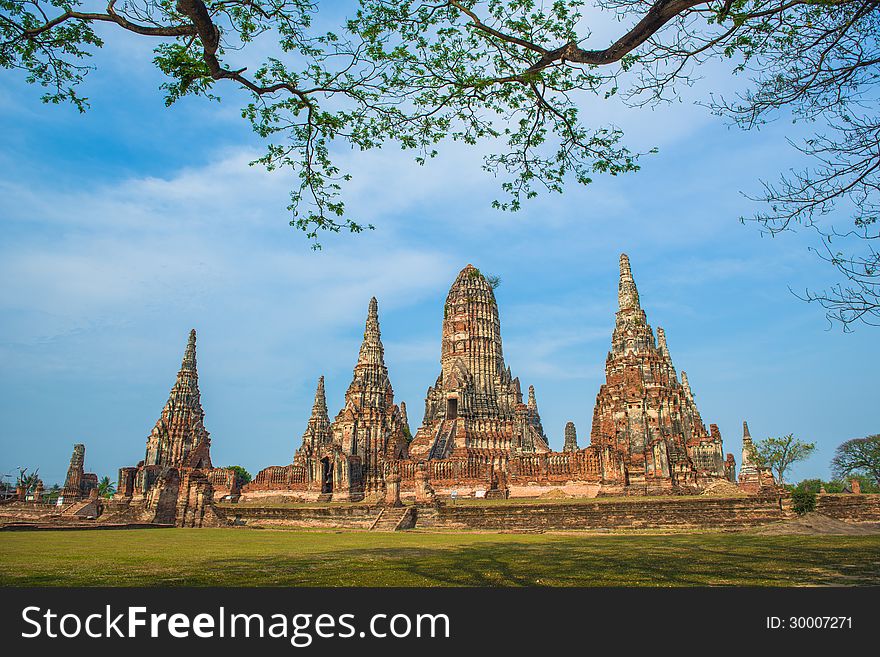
554	494
812	524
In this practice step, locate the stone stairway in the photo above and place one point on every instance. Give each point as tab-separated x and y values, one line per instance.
80	508
444	433
392	519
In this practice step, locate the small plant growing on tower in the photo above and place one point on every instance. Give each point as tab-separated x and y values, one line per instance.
493	281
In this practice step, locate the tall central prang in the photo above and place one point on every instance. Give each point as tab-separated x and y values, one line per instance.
475	404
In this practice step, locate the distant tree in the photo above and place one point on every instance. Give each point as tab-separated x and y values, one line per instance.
834	486
106	488
859	456
27	481
810	485
242	476
779	454
816	485
803	501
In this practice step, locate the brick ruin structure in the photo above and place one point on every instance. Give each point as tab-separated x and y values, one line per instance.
475	408
478	435
349	458
644	413
78	483
477	430
753	478
647	436
571	438
176	482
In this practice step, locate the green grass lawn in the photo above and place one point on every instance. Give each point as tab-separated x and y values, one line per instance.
240	557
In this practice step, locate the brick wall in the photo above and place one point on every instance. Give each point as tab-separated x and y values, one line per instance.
673	513
850	508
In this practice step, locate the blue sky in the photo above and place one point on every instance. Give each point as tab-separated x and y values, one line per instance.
123	228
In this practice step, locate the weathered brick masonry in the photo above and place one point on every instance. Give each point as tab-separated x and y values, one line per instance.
850	508
673	513
479	437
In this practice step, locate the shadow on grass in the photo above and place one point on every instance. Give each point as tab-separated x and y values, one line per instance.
394	560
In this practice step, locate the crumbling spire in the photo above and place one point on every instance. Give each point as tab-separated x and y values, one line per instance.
372	352
748	463
318	429
319	408
73	482
180	430
189	355
663	348
627	293
185	393
687	386
533	414
403	417
661	341
571	444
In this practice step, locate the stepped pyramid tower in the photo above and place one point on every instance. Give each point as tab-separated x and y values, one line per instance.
475	404
644	412
179	438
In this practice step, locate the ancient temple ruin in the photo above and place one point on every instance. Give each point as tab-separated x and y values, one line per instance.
349	458
644	413
479	437
78	483
475	407
571	439
753	477
176	482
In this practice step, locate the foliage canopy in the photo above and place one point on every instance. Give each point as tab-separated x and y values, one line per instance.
511	76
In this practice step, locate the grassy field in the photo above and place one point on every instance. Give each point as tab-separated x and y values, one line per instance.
235	557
